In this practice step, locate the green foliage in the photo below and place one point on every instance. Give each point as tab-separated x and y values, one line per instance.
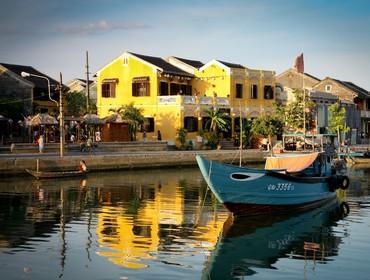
76	104
212	139
133	116
294	112
247	132
267	126
337	119
218	120
181	136
11	108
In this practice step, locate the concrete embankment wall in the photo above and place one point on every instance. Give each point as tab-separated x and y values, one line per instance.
14	165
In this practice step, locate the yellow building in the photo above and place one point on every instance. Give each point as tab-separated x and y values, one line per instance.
173	93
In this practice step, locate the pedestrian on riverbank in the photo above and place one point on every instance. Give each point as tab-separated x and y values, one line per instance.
89	145
40	141
144	135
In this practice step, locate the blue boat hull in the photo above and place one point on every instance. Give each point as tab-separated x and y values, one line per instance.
254	190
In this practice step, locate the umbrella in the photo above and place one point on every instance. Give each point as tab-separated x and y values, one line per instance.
2	118
92	119
114	118
41	119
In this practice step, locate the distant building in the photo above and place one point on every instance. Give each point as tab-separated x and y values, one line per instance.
357	102
33	91
355	99
79	85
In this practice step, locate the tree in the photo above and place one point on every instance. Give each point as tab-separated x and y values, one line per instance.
133	116
267	126
76	103
217	120
299	109
337	119
181	136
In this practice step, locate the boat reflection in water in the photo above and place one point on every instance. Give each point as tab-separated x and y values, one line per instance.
251	242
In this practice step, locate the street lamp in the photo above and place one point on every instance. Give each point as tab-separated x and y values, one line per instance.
59	104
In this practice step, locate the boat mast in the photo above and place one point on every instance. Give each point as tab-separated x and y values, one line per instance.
241	135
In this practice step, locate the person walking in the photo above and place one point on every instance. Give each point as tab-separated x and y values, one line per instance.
40	141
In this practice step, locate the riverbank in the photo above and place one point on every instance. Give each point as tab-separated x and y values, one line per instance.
15	164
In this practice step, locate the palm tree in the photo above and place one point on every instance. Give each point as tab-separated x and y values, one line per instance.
217	120
133	116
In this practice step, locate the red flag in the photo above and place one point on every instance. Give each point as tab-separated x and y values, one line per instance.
299	64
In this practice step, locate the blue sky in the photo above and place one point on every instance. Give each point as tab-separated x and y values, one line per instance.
53	35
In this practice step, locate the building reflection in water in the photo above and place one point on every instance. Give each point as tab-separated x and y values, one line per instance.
137	222
133	217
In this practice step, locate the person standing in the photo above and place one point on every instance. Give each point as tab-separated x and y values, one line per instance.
41	144
144	135
159	136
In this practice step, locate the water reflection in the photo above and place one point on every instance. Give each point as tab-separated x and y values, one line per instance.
133	217
164	224
253	242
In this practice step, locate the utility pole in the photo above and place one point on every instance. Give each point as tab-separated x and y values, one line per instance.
61	118
87	82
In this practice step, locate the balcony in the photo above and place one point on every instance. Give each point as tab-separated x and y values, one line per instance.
222	101
192	100
206	100
365	114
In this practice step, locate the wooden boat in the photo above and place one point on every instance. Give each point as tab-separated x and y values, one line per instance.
297	181
250	243
55	174
361	160
355	157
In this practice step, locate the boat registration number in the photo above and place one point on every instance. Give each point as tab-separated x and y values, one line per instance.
280	187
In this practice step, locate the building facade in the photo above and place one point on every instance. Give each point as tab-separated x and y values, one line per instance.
79	85
357	103
175	92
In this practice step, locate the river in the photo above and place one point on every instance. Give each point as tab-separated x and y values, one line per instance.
165	224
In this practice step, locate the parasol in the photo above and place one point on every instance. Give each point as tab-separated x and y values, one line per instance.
42	119
92	119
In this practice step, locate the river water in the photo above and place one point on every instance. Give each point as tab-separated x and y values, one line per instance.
165	224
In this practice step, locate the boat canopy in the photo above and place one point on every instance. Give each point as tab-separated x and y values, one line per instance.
291	163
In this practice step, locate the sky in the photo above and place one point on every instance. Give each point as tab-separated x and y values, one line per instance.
53	36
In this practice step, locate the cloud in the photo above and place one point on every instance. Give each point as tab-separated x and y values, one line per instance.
101	26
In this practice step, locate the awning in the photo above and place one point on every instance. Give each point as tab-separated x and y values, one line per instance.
140	79
292	163
113	80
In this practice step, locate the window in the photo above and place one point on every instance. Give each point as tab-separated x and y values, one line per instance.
254	92
191	124
328	88
268	93
141	86
108	90
148	125
163	88
239	91
367	104
180	89
174	89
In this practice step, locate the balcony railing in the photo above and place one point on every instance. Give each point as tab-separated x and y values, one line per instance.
192	100
206	100
365	114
